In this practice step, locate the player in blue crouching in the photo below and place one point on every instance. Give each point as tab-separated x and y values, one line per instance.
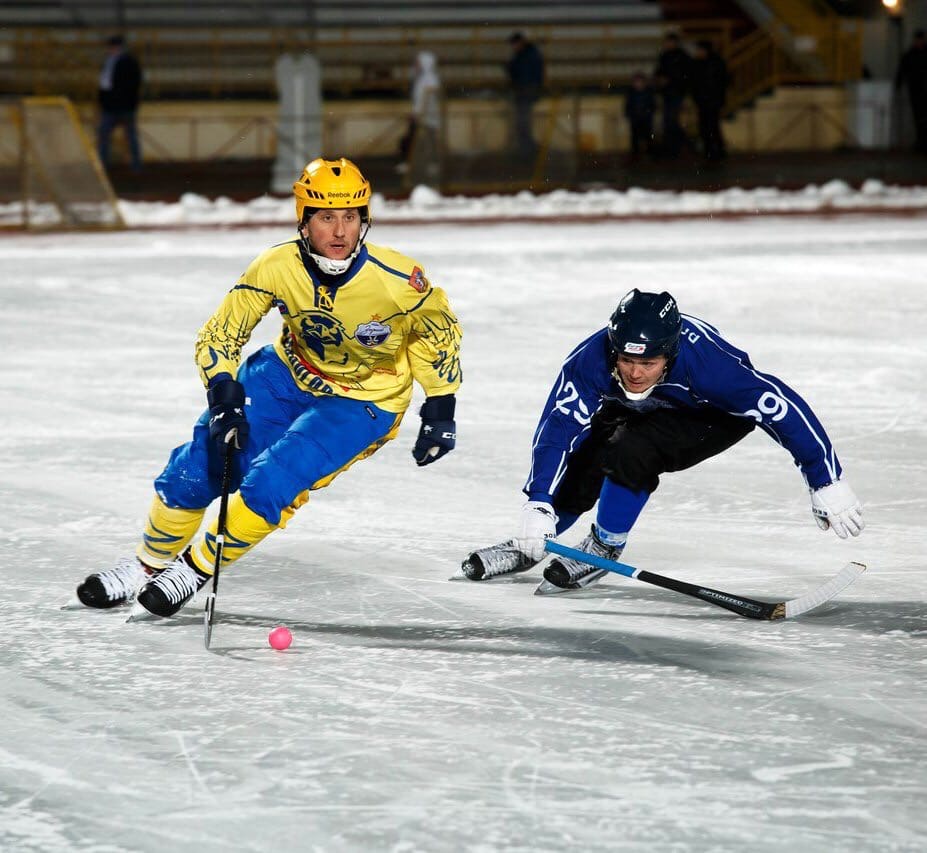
654	391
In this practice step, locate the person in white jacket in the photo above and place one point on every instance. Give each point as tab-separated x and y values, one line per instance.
419	148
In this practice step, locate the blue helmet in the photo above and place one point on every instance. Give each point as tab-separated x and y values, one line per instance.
645	325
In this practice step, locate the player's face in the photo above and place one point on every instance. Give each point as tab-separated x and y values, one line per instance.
639	374
334	233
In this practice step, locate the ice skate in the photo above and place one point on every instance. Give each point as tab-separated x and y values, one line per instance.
566	575
168	591
495	561
111	587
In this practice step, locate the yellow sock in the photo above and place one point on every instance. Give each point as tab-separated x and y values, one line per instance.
167	533
243	530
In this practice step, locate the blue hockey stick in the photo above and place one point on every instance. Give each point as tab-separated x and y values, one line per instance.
749	607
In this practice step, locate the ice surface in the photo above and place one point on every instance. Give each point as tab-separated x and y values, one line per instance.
417	714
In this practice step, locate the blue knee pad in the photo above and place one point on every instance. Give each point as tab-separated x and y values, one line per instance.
331	433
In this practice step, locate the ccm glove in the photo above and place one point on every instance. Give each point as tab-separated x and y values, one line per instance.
228	425
538	524
438	432
837	507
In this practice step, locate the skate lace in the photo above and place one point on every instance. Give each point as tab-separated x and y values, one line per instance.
590	545
178	581
502	558
122	580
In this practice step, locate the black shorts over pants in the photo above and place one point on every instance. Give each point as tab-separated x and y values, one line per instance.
634	449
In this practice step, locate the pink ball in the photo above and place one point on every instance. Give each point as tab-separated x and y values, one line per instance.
280	638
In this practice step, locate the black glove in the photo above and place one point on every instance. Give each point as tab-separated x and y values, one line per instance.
227	422
438	433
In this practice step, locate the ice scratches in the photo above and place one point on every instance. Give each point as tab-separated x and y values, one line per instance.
777	774
25	828
197	778
48	774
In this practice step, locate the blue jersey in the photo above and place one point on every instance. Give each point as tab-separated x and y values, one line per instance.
707	372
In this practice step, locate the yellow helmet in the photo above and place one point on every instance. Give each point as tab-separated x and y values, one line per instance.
331	184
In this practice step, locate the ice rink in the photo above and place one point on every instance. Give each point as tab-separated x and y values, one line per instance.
416	714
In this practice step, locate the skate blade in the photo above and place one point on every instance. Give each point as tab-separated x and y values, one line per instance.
498	580
545	587
75	603
139	614
461	575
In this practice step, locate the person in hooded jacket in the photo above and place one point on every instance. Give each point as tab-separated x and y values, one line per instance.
420	146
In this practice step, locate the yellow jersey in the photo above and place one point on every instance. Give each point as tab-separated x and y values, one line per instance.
365	334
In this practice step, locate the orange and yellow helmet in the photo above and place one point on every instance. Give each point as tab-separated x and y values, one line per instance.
331	184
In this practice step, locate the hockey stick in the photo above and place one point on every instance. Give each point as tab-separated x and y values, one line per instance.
749	607
209	612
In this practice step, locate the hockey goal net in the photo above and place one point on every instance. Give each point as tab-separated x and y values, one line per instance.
50	175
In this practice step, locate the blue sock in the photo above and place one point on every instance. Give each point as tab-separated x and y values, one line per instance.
619	508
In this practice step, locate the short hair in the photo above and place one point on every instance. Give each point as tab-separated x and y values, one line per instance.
115	41
919	34
516	37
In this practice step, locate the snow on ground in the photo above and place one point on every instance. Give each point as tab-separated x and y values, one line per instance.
413	713
427	204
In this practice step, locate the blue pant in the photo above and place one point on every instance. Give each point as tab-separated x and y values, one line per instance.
296	440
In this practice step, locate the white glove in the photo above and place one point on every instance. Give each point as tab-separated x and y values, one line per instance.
538	524
837	507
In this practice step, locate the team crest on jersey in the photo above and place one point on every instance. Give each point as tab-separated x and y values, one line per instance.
372	334
634	349
319	332
417	280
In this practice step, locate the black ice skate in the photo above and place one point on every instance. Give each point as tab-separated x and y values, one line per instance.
565	575
496	560
169	590
112	587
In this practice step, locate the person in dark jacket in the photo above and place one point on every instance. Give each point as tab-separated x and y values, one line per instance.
118	96
709	81
912	72
639	106
525	69
674	67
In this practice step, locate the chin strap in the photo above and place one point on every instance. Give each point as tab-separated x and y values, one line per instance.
640	395
333	266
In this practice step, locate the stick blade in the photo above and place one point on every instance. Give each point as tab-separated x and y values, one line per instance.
208	613
839	582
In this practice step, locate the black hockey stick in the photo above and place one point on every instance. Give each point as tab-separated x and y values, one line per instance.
209	612
749	607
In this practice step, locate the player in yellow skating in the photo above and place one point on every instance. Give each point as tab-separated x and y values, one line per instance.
360	322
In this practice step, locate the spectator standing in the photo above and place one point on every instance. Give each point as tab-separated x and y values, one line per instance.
639	107
420	146
674	67
912	72
118	96
526	74
709	81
